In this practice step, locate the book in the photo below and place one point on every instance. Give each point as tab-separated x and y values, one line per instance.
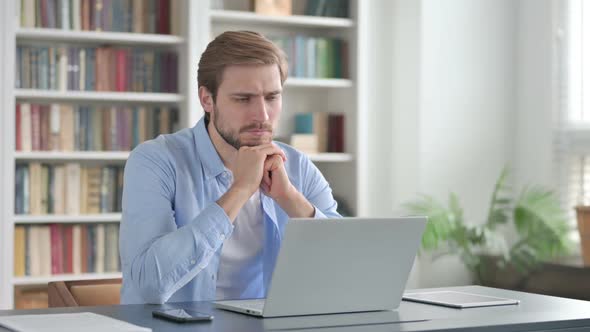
336	133
19	251
35	188
314	123
35	127
83	190
72	174
306	143
44	188
99	245
54	128
59	189
67	249
76	249
44	251
26	127
67	128
57	249
273	7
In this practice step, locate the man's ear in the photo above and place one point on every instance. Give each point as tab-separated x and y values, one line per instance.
206	99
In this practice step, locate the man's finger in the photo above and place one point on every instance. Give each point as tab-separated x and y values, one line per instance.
270	149
266	178
272	162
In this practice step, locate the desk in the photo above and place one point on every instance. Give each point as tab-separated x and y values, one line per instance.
535	313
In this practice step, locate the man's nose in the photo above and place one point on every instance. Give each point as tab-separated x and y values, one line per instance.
260	110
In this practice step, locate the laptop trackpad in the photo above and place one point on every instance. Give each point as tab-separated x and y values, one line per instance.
338	320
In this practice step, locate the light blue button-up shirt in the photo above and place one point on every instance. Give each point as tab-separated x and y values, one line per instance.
172	229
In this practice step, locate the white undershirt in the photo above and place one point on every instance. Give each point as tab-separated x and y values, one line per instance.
240	265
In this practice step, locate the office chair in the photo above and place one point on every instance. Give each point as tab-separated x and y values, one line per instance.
78	293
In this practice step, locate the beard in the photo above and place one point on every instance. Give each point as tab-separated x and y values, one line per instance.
233	138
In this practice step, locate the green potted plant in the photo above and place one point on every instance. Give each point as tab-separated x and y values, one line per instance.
535	216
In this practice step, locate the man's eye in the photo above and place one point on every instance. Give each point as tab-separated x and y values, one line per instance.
273	97
242	100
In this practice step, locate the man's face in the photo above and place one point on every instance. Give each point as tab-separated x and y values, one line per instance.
248	105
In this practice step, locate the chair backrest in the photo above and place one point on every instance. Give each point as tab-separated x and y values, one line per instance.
84	293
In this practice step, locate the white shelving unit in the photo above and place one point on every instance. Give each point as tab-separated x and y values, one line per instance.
68	219
318	83
198	24
187	46
72	156
344	171
63	277
243	17
113	38
92	96
331	157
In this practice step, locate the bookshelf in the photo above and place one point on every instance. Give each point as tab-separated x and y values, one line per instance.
250	18
318	83
63	277
197	25
93	96
64	218
72	156
113	38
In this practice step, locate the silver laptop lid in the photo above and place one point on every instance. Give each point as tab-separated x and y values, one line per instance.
343	265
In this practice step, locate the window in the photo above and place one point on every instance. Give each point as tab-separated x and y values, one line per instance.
573	136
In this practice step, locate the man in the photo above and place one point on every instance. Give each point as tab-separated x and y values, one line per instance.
204	209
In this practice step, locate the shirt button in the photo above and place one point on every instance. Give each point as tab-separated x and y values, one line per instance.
193	262
222	236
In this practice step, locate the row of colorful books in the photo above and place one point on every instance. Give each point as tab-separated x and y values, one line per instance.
96	69
66	127
317	132
44	250
140	16
68	188
314	57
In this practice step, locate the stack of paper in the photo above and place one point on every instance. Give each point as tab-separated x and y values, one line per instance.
80	321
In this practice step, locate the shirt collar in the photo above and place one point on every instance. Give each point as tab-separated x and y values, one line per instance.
209	157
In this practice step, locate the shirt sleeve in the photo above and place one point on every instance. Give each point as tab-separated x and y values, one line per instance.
157	256
317	190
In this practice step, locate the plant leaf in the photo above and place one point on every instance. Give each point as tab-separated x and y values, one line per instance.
499	205
541	222
439	224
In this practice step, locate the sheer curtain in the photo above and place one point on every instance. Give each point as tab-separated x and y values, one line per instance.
572	139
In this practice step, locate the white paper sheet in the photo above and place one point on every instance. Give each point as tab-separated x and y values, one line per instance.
80	321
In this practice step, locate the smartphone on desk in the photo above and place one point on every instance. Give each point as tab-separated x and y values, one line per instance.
182	315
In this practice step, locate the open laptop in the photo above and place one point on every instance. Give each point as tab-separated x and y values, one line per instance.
338	265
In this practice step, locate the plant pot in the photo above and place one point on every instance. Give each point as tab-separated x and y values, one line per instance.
583	216
493	275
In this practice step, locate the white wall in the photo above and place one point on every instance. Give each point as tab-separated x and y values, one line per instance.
3	224
536	93
467	106
381	43
453	74
6	146
393	101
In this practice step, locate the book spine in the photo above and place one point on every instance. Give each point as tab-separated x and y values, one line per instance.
18	142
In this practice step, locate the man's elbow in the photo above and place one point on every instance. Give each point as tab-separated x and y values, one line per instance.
149	284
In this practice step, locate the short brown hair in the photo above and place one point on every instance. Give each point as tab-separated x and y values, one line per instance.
237	48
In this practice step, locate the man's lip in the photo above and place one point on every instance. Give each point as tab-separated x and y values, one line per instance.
258	131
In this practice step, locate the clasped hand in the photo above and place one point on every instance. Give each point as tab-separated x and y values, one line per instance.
262	166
